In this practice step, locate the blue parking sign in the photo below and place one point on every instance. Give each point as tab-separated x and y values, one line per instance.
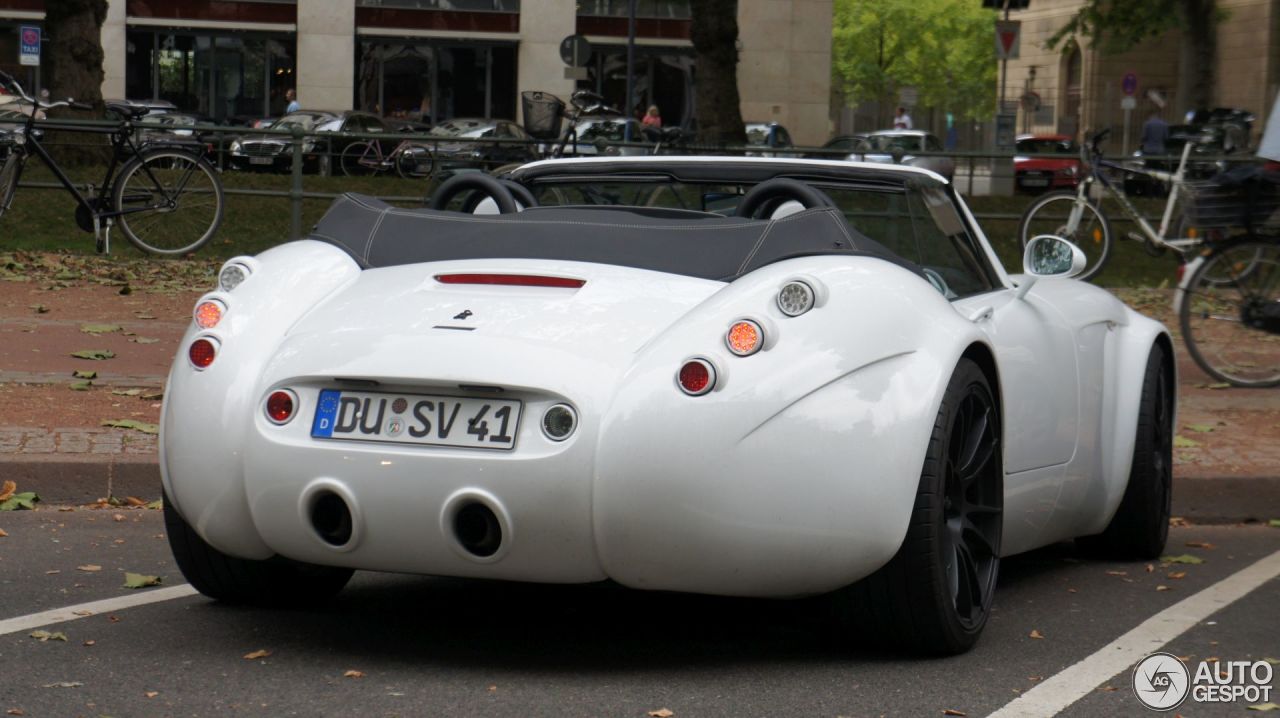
29	45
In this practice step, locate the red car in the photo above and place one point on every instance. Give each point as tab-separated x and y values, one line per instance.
1034	173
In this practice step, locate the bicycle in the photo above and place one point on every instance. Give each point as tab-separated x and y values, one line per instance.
411	159
1078	217
166	198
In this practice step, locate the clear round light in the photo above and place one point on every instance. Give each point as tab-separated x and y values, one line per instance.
744	337
559	422
795	299
280	406
231	276
208	313
696	377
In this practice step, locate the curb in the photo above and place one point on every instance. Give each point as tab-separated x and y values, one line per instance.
1200	500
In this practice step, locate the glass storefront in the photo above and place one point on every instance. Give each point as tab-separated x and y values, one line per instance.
434	80
469	5
217	75
663	77
671	9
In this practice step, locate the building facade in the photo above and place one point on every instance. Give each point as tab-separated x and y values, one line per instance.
437	59
1076	88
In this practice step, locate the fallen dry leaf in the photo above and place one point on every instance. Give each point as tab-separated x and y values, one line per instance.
493	689
83	613
8	490
138	580
3	533
90	567
953	712
1150	568
1108	689
89	642
1269	706
1200	544
260	653
661	713
15	712
151	694
349	674
1162	588
117	517
1117	573
1175	575
1036	634
134	501
52	572
1035	678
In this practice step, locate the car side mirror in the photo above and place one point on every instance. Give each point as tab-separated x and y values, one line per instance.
1049	256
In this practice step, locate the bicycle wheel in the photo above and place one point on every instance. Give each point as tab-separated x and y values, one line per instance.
359	159
8	179
1051	214
1230	314
170	202
414	162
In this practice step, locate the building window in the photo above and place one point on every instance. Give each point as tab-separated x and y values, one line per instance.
435	81
1072	79
665	9
466	5
218	76
663	77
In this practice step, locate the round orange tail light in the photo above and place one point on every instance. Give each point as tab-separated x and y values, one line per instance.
744	338
208	314
202	353
697	377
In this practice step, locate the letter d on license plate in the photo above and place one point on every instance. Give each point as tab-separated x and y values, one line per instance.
416	419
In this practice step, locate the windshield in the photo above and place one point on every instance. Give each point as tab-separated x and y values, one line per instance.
757	134
1039	146
305	120
461	128
920	224
888	143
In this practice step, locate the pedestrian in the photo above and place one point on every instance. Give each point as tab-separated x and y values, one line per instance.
1155	133
292	98
652	118
902	121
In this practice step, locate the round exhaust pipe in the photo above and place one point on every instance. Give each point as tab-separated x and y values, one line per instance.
476	525
477	530
331	518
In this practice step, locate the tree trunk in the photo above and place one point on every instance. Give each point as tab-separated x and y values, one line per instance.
717	107
73	69
1200	21
74	55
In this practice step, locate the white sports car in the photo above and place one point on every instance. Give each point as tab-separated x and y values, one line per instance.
736	376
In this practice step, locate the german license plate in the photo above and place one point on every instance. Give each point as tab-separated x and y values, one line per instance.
261	160
1035	182
416	419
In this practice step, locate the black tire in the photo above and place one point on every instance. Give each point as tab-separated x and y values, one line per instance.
353	159
1140	526
1050	213
170	200
934	596
1228	315
277	581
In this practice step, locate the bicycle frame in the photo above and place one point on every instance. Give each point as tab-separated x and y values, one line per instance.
1175	179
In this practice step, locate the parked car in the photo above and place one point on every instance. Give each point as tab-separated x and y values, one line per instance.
501	142
328	134
901	146
153	107
840	147
769	137
179	128
837	391
1033	173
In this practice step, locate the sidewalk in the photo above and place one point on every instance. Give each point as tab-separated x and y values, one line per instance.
53	442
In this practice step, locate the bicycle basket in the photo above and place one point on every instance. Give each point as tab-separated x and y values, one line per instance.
543	113
1253	206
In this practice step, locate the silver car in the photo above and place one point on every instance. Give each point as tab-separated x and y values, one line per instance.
903	147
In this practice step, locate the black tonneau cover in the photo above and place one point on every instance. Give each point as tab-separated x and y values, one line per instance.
693	244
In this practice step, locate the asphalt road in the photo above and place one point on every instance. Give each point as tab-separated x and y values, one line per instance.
440	647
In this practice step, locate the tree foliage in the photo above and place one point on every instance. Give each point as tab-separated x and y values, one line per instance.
1118	25
945	49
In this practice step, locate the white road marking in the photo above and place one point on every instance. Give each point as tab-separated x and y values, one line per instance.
93	608
1077	681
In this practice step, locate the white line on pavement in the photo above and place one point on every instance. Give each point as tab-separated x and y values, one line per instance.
84	610
1075	682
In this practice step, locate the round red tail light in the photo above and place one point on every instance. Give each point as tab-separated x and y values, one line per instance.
697	377
202	353
280	406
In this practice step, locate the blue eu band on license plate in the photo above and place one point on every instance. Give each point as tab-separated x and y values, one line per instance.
416	419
